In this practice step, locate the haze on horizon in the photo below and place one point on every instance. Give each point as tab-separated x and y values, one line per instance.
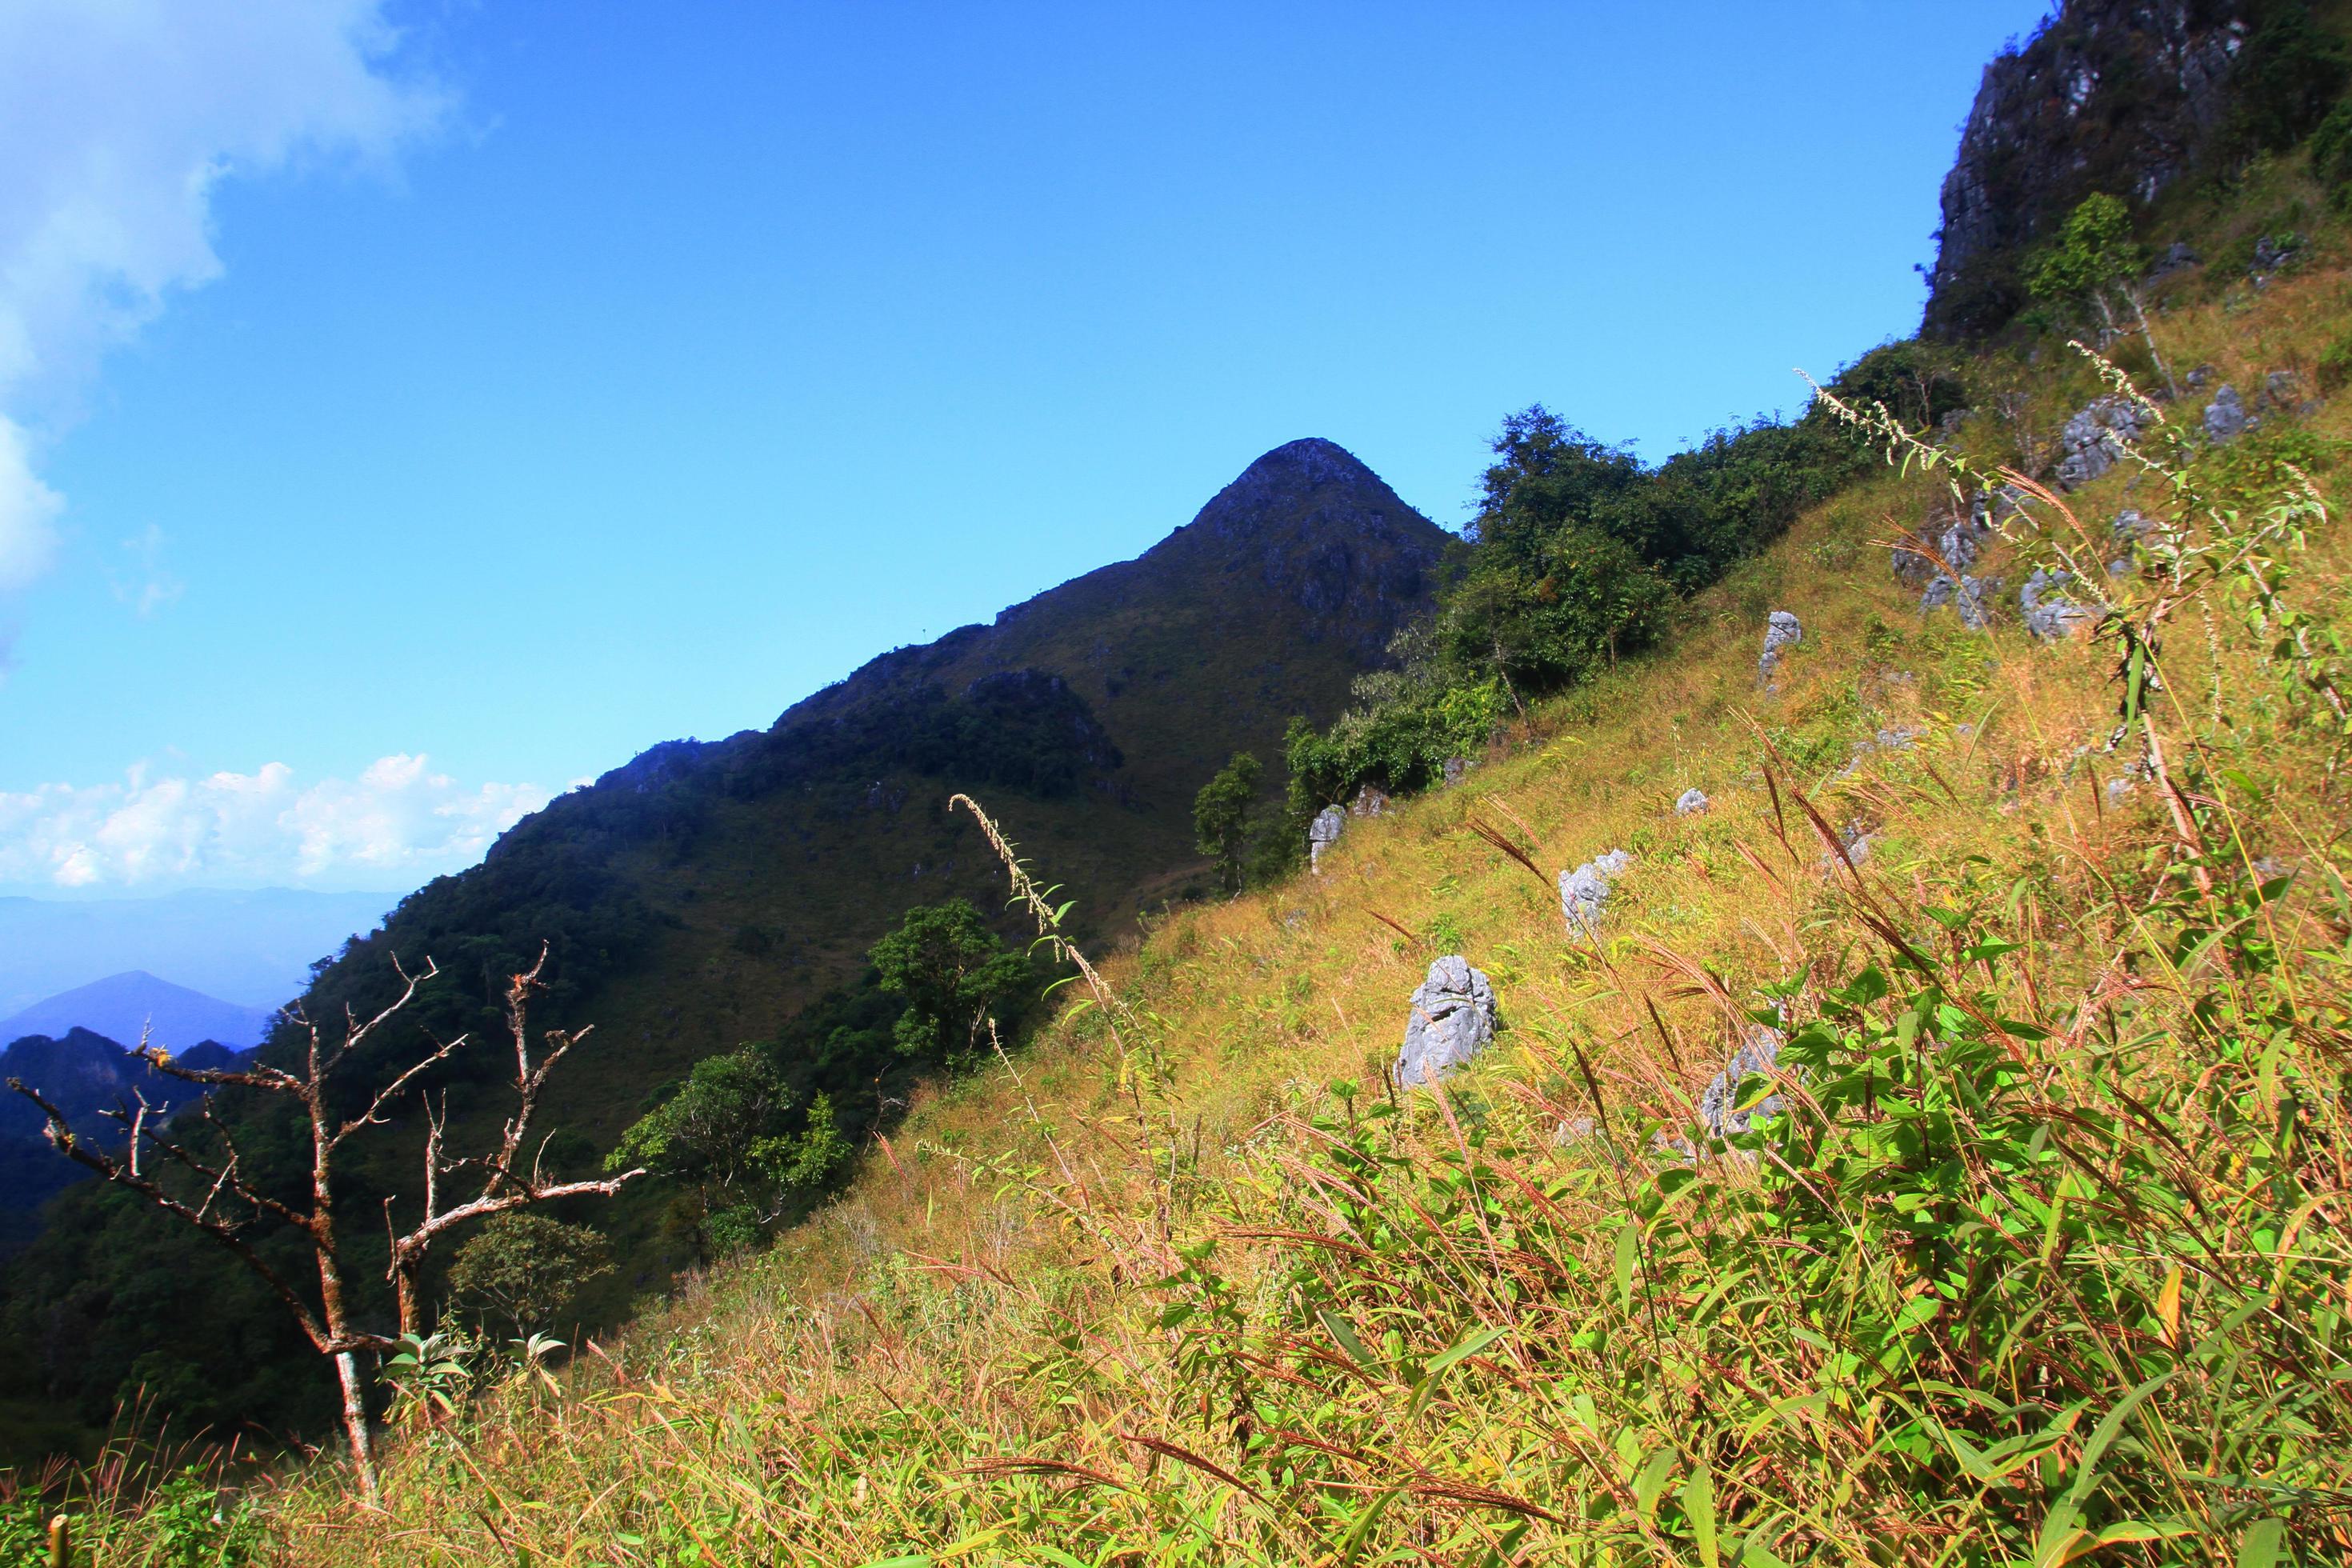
407	409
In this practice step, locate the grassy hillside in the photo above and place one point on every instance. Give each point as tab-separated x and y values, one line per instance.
2042	1257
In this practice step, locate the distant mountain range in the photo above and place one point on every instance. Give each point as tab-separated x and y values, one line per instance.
252	946
123	1006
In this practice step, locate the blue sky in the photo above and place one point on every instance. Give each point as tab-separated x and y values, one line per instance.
451	400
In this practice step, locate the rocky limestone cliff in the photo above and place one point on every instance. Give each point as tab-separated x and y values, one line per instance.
2119	96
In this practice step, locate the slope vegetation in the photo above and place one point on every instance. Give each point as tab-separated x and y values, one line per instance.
2035	1253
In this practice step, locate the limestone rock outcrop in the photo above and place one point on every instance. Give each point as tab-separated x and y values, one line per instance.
1585	890
1717	1105
1781	632
2049	614
1321	834
1453	1019
2095	440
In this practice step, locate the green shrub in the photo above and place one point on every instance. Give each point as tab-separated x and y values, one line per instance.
2335	366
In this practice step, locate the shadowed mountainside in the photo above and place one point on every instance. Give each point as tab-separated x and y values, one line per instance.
706	893
703	892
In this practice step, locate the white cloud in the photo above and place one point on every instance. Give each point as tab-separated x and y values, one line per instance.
120	117
395	825
148	587
29	513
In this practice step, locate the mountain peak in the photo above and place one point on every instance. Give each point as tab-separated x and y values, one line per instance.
1309	483
124	1006
1304	464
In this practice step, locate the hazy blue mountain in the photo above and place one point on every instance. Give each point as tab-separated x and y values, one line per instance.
254	947
84	1075
120	1006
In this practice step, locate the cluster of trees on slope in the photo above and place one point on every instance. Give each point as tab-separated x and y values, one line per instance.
122	1297
1577	557
752	1138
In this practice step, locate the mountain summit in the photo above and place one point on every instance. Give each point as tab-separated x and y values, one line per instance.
702	893
124	1006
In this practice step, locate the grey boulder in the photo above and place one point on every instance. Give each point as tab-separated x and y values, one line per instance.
1781	631
1585	890
1453	1019
1717	1105
1971	597
2050	615
2225	416
2095	440
1691	802
1321	834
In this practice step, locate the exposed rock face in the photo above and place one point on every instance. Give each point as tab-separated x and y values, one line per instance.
1321	834
1781	631
1585	890
1758	1052
2095	438
1369	802
2050	615
2274	254
2225	416
1321	528
2130	529
1955	541
1457	770
1971	597
1453	1019
2119	96
1855	840
1691	802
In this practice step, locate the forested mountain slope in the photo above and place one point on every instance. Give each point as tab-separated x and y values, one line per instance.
707	894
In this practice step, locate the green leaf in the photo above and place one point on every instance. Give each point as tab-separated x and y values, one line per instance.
1464	1349
1341	1331
2260	1546
1445	1359
2086	1474
1353	1544
1699	1502
1629	1253
1652	1481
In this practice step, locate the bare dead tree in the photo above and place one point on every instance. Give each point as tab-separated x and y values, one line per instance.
506	1184
226	1203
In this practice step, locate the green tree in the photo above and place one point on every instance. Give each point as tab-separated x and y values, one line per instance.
1586	597
955	973
2287	76
526	1269
2095	261
727	1132
706	1133
805	1161
1221	815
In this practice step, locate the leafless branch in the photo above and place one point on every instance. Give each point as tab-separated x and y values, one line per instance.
78	1149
